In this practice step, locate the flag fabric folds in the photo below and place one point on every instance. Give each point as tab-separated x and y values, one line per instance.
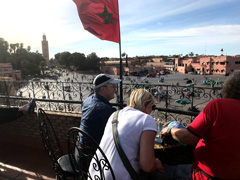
100	17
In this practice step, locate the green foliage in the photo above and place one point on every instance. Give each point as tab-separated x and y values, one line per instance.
78	60
57	56
92	61
4	54
21	59
33	63
65	59
191	54
104	58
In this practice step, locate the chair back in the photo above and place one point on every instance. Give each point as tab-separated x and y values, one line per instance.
85	154
52	146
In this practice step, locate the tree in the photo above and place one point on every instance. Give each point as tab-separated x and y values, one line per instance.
57	56
64	59
21	58
42	63
104	58
92	62
191	54
79	61
28	48
4	54
124	54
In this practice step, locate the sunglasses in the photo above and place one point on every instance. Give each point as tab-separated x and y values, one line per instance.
114	86
153	107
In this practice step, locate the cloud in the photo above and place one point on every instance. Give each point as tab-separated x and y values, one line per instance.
133	13
207	32
146	26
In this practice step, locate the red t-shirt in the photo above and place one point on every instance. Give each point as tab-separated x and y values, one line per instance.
218	152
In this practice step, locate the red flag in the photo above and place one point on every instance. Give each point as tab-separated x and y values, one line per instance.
100	17
222	50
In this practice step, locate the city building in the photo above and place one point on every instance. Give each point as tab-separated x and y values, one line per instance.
137	65
223	65
45	50
113	66
8	73
162	64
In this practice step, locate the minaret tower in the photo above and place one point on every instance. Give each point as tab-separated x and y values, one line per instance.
45	51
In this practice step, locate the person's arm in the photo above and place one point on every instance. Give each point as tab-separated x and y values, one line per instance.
8	114
182	135
148	162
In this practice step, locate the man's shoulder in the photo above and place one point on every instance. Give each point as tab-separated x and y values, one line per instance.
96	103
99	100
102	105
221	101
89	100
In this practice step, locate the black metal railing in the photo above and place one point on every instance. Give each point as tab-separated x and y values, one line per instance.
173	102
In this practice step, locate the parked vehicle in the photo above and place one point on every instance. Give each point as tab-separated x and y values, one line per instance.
134	73
151	75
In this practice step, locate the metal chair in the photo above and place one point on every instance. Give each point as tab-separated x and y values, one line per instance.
60	162
85	154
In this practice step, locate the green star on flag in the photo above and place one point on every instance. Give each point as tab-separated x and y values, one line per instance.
107	16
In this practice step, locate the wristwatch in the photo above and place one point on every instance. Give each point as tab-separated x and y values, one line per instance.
169	131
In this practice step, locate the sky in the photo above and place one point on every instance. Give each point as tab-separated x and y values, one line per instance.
147	27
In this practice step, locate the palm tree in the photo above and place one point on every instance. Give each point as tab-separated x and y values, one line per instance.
191	54
13	47
28	48
124	54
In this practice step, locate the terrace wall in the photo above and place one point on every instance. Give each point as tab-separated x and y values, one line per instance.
27	128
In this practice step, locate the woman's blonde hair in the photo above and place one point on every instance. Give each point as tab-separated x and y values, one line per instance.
140	98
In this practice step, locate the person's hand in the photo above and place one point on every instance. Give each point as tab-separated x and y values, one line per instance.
165	125
164	132
159	166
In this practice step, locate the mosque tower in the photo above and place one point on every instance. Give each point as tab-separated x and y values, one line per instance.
45	50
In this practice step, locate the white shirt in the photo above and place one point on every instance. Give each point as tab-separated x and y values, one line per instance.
131	124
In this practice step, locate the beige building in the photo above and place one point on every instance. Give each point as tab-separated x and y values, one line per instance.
208	65
113	66
7	72
223	65
162	63
133	65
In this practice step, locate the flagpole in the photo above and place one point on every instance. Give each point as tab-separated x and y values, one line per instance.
120	53
121	86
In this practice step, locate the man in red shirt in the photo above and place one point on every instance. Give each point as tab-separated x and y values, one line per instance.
216	133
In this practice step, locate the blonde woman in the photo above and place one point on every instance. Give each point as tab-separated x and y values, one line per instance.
136	130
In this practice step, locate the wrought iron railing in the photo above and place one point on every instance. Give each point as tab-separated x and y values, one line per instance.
173	102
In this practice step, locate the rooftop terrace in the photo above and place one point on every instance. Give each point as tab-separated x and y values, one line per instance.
20	160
